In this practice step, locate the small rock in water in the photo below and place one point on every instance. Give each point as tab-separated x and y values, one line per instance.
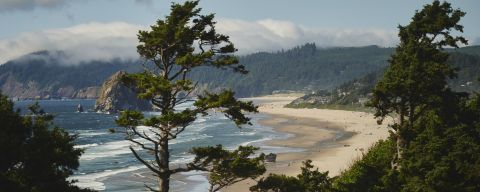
271	157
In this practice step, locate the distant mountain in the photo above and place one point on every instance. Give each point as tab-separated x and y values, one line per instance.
42	75
305	68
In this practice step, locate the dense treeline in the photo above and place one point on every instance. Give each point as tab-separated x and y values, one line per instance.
351	94
300	69
305	68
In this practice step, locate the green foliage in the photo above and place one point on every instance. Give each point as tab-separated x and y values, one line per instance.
437	135
436	140
445	154
278	183
309	68
313	180
36	155
13	133
464	60
418	71
226	100
308	180
49	73
368	173
175	46
346	96
417	76
227	167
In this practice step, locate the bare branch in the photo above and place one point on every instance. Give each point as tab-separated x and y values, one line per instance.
151	189
184	98
189	167
140	144
149	166
143	136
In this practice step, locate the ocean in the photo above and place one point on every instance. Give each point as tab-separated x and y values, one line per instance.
108	165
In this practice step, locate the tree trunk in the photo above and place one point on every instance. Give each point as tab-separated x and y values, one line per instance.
164	182
400	145
164	177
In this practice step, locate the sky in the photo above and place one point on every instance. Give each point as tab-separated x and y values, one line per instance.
105	29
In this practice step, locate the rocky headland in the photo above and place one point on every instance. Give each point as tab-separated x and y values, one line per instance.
115	96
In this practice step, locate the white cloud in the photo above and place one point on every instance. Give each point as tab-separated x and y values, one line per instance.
106	41
86	42
270	35
13	5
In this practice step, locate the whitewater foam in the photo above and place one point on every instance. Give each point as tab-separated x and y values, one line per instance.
108	149
94	180
86	146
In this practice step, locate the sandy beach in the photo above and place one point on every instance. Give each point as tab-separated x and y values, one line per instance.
332	139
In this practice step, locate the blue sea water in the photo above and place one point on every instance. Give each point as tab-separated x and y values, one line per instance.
107	163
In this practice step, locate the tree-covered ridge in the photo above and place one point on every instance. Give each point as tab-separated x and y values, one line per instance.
304	68
355	93
47	70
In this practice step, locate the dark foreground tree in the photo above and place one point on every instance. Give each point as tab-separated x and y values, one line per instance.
227	167
309	180
417	76
445	153
36	155
175	46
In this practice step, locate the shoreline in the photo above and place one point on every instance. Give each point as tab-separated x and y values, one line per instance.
332	139
316	132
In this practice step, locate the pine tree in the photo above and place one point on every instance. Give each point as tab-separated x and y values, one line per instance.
417	76
36	154
175	46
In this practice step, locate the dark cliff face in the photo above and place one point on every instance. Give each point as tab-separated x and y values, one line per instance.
115	96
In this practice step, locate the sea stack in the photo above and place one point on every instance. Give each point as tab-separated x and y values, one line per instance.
115	96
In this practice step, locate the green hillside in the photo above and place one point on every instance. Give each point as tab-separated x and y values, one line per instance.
305	68
355	93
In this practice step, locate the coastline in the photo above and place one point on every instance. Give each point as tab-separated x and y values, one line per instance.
332	139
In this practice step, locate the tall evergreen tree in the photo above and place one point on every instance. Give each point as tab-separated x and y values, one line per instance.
175	46
36	155
417	76
445	153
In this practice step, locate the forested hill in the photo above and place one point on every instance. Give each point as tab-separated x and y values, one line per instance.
355	93
43	75
304	68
